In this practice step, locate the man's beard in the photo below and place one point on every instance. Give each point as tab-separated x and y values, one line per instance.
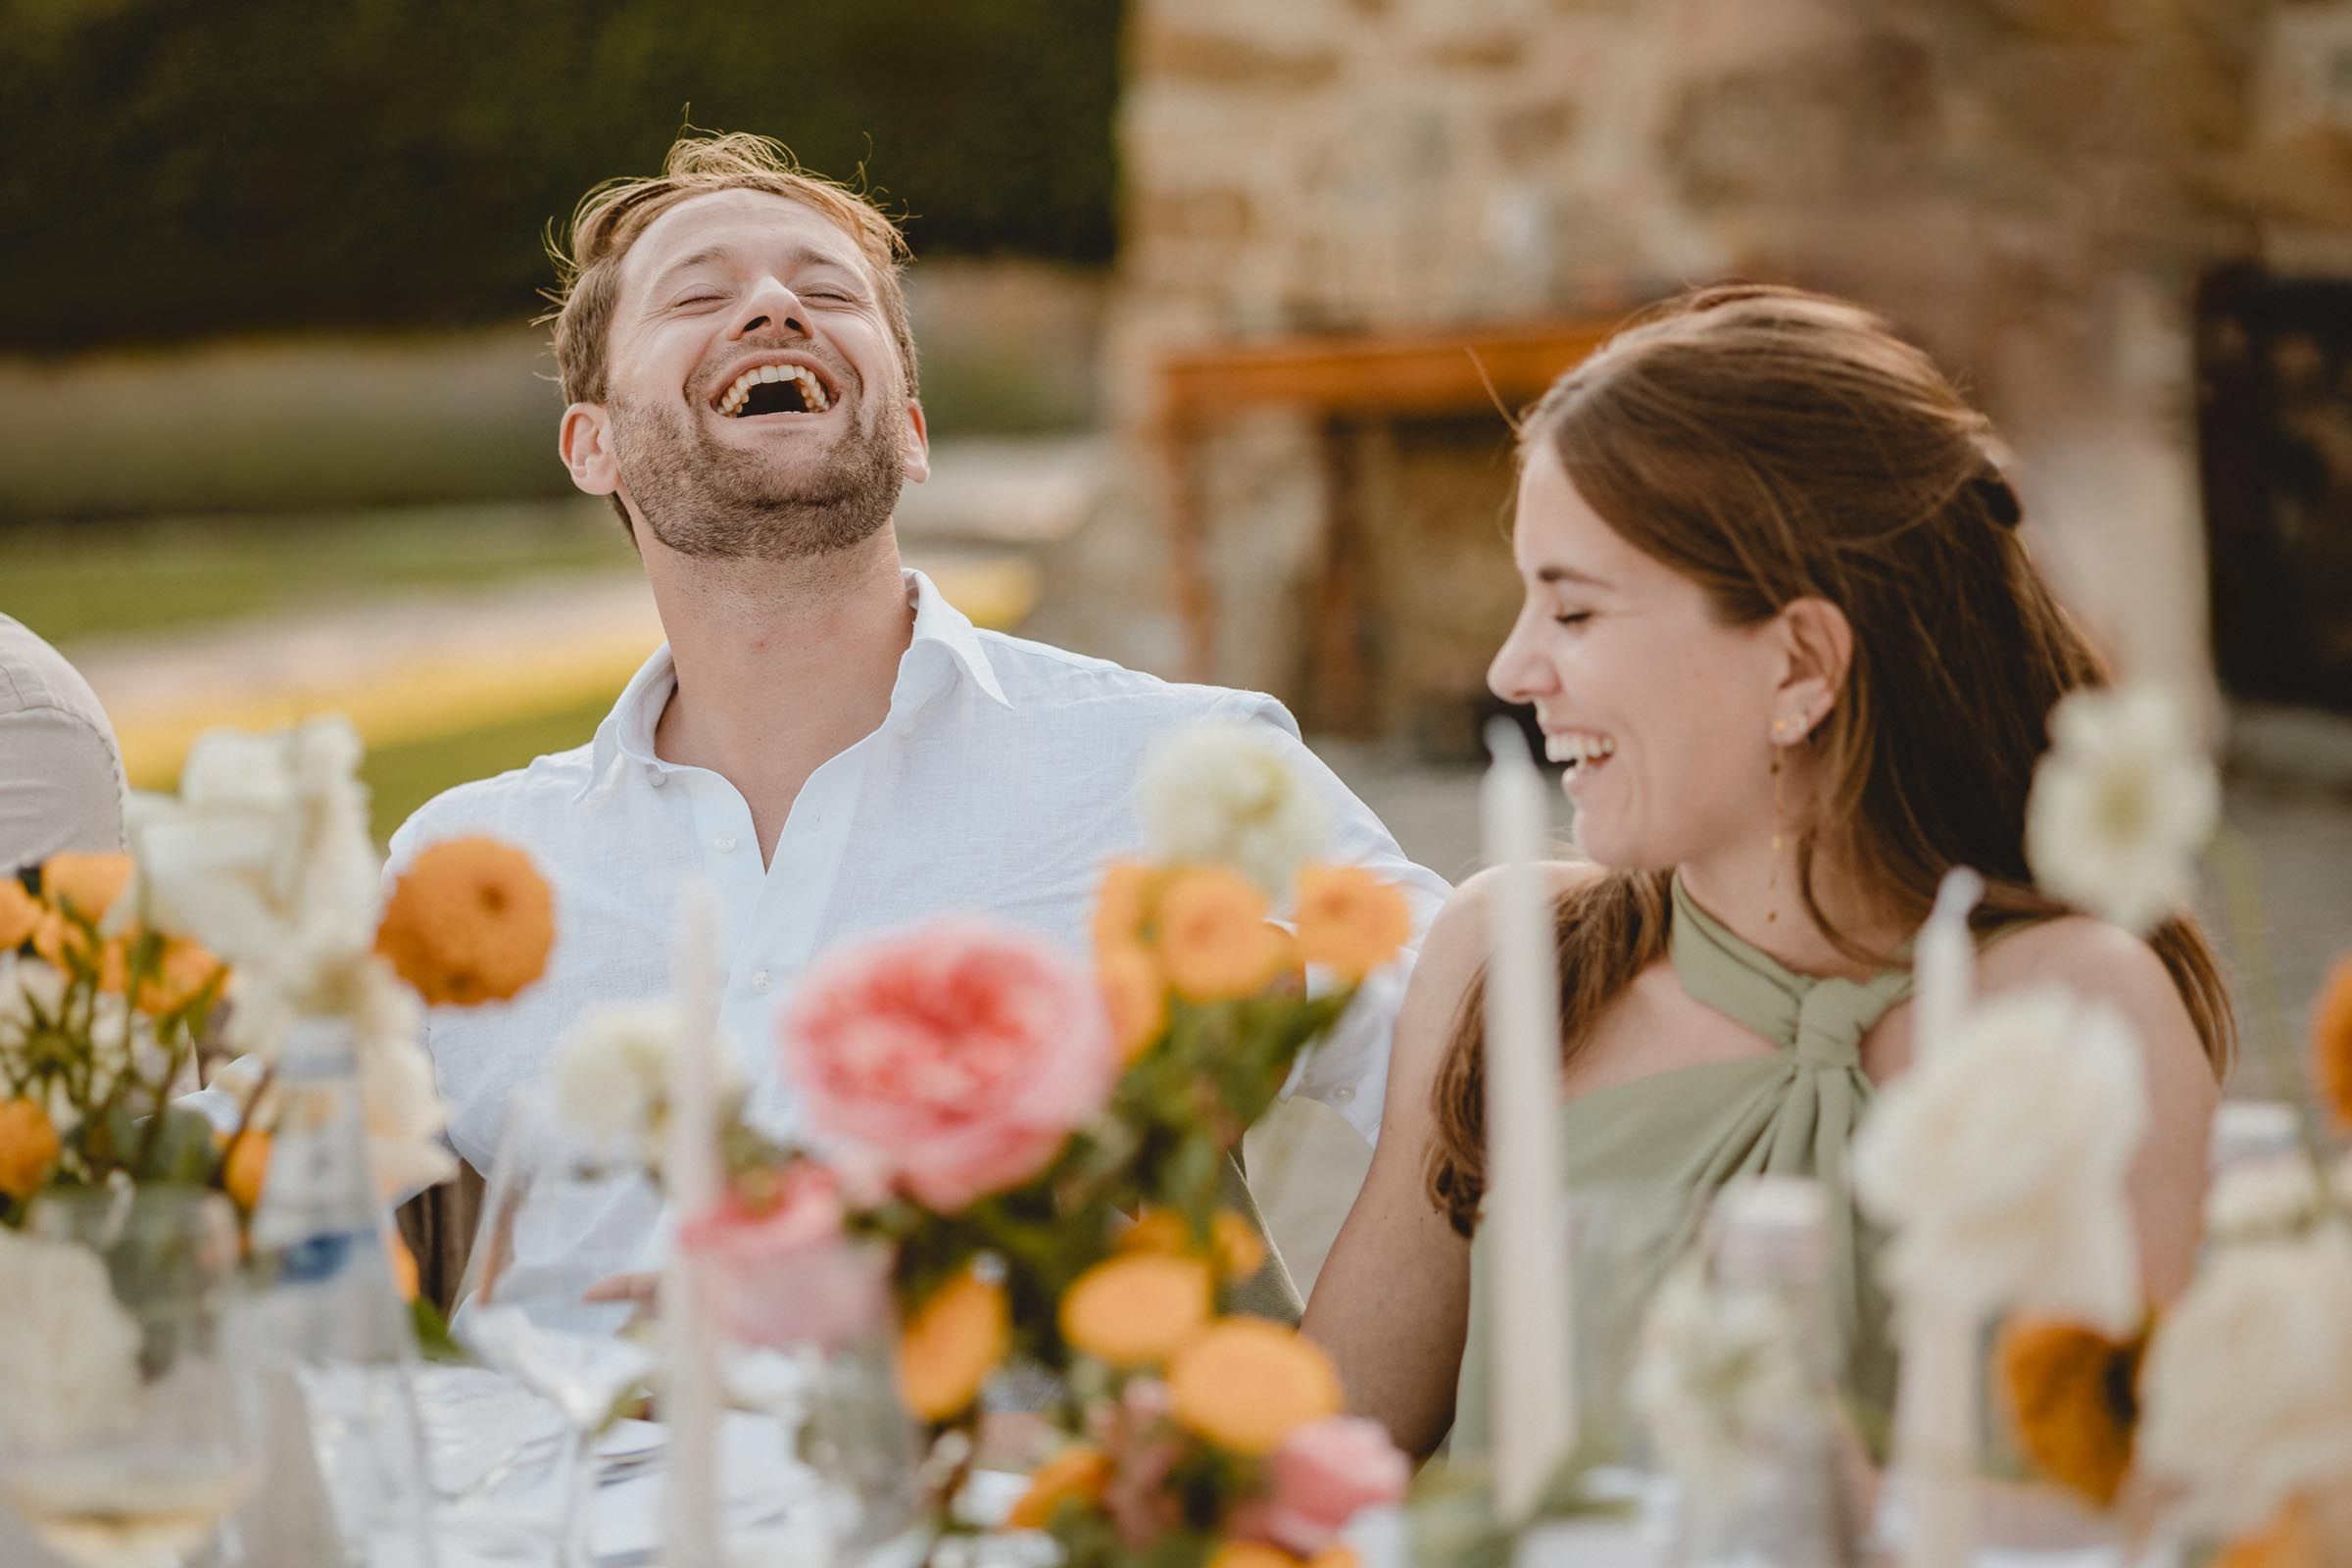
703	497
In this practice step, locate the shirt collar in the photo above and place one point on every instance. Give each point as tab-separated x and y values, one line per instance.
627	732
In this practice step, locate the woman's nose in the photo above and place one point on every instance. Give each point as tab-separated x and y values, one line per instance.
1519	674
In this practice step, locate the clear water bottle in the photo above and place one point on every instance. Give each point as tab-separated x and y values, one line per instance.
1778	1489
328	1303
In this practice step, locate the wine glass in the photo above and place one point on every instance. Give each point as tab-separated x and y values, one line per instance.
158	1440
524	1307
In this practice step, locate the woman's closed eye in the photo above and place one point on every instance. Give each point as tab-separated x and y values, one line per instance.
1572	617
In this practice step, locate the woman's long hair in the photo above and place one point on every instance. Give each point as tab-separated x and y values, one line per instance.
1773	445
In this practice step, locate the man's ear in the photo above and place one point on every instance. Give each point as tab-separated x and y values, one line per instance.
1817	643
918	467
585	440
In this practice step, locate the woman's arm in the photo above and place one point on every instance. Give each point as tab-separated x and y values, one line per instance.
1392	1303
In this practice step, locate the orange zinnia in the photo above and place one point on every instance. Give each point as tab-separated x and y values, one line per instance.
1078	1473
1138	1308
1135	995
2331	1041
1214	936
1247	1384
472	920
1238	1249
2070	1392
953	1343
186	969
86	884
1123	907
1251	1555
21	914
247	1169
1350	920
28	1148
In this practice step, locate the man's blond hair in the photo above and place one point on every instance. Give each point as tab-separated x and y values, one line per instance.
610	218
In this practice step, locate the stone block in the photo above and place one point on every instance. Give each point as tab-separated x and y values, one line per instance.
1166	49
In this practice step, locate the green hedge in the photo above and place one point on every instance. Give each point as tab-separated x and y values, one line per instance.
181	168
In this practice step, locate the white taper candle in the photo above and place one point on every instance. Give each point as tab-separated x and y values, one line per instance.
1935	1415
691	1173
1534	1395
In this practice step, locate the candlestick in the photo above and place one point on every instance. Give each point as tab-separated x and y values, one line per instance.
691	1171
1936	1419
1533	1395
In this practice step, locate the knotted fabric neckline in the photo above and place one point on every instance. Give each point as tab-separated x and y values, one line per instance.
1822	1020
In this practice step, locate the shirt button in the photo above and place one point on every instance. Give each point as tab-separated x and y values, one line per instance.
759	981
723	842
655	777
1343	1095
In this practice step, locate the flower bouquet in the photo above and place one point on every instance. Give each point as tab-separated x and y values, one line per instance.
1034	1164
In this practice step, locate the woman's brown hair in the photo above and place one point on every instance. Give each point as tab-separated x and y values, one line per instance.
1773	445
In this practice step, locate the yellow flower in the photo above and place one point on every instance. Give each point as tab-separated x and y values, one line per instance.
185	970
1350	920
404	1265
1137	1309
1251	1555
1078	1473
2288	1541
2071	1399
19	914
1240	1250
1214	936
1136	997
248	1168
472	920
1124	906
86	884
950	1346
2331	1041
1247	1384
28	1148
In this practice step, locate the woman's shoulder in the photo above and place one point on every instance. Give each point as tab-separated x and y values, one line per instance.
1459	933
2094	959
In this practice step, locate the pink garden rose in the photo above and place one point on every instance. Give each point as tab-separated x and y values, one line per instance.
784	1275
960	1056
1325	1474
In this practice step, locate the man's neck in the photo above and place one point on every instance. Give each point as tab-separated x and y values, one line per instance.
780	666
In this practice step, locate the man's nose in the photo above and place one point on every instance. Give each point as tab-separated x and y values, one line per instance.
772	307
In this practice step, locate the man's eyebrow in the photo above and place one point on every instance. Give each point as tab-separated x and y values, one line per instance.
1568	574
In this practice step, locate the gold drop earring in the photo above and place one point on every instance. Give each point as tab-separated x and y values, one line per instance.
1772	885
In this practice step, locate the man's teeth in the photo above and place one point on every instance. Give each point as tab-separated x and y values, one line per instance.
1578	750
813	391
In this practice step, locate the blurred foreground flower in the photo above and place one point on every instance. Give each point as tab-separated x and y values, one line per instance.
2248	1382
470	920
2120	806
2073	1401
2331	1043
2002	1200
956	1057
1223	794
69	1361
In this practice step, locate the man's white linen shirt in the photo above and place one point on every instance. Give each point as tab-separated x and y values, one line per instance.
1001	782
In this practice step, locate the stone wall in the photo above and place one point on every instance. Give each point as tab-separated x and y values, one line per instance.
2029	186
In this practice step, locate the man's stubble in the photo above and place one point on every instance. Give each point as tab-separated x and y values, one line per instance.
704	498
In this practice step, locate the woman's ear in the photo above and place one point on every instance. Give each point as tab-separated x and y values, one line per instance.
1818	646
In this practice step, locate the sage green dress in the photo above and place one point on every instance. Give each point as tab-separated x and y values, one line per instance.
1683	1133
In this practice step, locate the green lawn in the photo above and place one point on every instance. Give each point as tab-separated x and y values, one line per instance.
75	581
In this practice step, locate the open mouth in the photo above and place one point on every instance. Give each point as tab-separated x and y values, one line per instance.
1580	753
775	389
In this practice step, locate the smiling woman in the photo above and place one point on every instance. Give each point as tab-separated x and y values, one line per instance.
1779	621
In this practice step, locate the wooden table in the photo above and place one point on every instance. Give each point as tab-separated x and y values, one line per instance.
1345	380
